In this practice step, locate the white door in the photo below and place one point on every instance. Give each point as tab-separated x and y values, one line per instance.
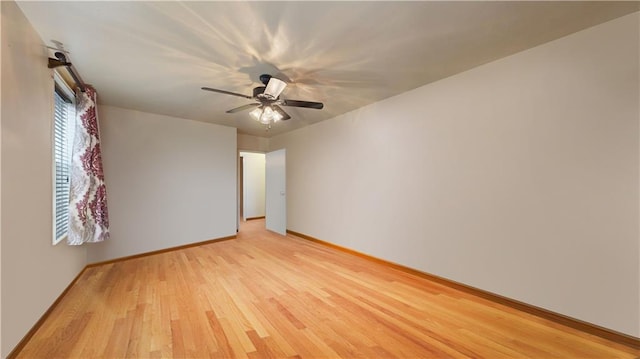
276	198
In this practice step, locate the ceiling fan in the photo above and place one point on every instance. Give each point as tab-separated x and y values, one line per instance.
266	109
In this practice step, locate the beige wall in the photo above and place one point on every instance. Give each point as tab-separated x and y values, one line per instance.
170	182
519	177
34	273
252	143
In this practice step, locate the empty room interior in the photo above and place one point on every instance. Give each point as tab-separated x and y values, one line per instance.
319	179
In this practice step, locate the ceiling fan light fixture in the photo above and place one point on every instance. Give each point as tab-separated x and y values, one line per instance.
256	113
276	116
266	115
266	108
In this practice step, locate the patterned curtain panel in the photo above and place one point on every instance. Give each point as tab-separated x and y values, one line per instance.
88	215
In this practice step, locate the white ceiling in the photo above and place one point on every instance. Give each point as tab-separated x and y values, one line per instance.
155	56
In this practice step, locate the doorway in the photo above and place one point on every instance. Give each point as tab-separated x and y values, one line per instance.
262	189
251	186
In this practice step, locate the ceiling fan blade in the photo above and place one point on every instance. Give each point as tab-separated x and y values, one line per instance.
307	104
278	109
242	108
226	92
275	87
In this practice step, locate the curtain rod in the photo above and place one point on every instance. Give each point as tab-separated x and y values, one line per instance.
61	60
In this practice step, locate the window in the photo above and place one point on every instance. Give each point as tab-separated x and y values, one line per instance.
63	120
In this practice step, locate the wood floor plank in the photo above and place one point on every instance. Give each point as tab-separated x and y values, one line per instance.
238	348
224	347
269	296
263	350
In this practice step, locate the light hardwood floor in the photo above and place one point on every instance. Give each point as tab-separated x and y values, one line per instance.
267	296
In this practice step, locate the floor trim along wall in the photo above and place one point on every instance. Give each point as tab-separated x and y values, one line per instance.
46	314
252	218
586	327
170	249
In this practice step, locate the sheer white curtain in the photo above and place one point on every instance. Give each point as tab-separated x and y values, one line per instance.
88	214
